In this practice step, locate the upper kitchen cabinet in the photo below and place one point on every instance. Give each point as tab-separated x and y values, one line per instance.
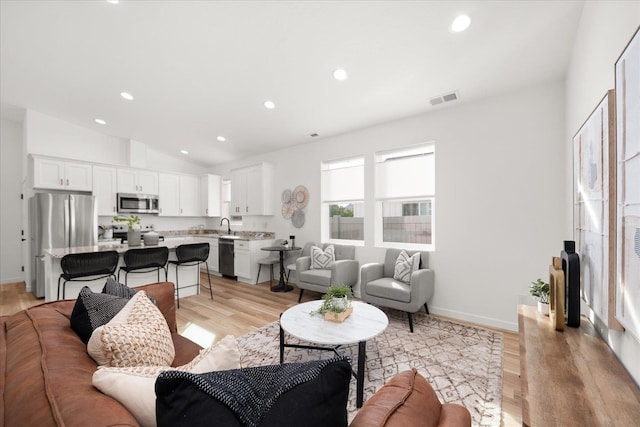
105	188
58	174
190	196
137	181
179	195
252	190
210	195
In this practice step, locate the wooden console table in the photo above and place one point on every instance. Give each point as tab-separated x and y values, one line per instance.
571	377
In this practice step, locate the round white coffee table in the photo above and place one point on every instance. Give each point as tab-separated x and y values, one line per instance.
364	323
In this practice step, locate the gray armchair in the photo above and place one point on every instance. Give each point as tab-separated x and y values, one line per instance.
343	272
378	287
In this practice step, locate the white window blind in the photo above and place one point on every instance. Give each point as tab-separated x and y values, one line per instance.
343	180
408	172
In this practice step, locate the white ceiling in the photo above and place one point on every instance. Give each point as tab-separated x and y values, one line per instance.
199	69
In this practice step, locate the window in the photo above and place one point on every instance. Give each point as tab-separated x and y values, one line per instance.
343	201
225	211
405	197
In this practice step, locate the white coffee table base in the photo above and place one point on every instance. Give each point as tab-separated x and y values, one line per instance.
365	323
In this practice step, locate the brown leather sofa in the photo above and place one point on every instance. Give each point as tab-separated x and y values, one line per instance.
46	371
46	376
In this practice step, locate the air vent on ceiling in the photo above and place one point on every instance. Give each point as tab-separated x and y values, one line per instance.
312	135
444	98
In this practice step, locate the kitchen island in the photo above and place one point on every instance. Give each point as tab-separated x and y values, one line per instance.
188	275
52	270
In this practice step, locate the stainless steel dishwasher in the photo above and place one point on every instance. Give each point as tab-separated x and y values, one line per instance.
225	257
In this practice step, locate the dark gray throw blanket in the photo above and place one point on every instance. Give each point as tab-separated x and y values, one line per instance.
250	393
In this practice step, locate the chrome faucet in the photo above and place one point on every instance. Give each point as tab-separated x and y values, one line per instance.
228	225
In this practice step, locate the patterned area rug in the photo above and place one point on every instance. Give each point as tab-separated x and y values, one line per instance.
462	363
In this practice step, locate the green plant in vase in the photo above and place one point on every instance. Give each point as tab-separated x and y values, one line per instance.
133	235
131	221
540	290
336	303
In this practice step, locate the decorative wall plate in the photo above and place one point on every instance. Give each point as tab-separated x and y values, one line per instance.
298	218
287	210
300	196
286	196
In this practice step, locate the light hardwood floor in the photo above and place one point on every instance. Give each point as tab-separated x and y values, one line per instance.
238	308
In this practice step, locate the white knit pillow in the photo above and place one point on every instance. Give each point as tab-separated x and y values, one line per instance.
406	265
322	259
137	336
134	387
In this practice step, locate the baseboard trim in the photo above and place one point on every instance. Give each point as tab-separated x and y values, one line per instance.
481	320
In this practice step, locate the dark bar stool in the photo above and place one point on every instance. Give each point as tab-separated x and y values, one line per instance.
189	255
78	267
145	261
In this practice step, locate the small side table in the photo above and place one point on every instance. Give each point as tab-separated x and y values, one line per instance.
282	286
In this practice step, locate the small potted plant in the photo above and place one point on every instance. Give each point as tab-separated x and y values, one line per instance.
107	231
336	304
540	290
133	234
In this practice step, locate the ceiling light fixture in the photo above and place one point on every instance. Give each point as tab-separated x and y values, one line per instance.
100	122
126	96
461	23
270	105
184	151
113	1
221	138
340	75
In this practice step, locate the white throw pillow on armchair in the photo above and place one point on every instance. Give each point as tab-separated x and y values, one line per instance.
405	266
322	259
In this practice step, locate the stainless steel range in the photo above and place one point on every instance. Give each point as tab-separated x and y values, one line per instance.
120	231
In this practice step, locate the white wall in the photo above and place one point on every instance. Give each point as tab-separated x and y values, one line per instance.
10	203
499	195
46	135
605	29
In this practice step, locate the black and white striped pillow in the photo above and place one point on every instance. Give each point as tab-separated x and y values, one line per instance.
405	266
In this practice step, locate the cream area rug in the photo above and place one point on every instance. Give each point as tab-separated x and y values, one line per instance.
462	363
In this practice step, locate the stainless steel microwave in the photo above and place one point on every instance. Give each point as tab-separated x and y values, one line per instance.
138	203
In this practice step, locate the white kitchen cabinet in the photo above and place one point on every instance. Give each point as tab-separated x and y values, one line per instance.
210	197
179	195
169	194
137	181
242	259
246	256
252	190
59	174
212	261
189	195
105	188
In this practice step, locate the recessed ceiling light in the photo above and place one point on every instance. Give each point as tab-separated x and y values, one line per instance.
461	23
100	122
340	75
221	138
270	105
113	1
127	96
184	151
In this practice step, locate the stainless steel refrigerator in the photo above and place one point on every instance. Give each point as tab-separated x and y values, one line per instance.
60	221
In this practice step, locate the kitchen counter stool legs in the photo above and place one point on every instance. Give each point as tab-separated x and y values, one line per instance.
190	255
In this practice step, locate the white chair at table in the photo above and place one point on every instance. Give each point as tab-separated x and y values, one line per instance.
290	261
272	259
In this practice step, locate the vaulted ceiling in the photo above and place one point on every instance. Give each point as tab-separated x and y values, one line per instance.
202	69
